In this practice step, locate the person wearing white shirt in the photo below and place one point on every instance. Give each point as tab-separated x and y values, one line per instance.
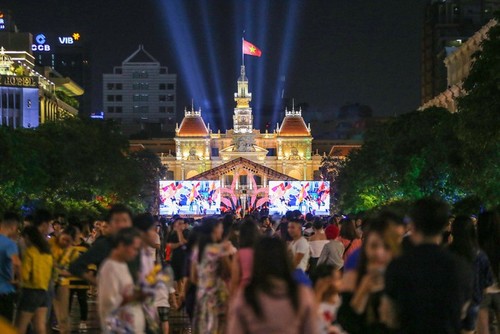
118	301
299	246
146	225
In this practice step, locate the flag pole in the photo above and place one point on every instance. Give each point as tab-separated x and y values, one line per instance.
242	54
242	42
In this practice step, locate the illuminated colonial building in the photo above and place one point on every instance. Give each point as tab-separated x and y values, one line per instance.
244	159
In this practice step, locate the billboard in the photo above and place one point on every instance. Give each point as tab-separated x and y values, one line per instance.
306	196
189	197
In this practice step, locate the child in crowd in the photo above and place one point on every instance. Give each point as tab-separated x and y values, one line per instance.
327	281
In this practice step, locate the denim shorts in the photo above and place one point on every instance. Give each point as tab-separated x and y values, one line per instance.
31	299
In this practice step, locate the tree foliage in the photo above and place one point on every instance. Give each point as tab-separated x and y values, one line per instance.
434	152
479	120
410	156
73	164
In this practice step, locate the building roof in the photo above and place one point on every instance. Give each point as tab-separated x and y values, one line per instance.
140	56
192	125
242	163
293	124
343	150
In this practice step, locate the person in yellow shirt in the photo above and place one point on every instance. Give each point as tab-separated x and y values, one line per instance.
36	273
78	285
62	250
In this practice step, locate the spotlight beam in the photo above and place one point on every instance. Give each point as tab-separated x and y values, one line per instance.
214	68
286	51
180	32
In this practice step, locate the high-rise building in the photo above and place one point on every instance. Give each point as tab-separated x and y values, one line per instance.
447	24
141	96
6	21
68	54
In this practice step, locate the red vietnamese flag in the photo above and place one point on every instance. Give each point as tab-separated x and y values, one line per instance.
250	49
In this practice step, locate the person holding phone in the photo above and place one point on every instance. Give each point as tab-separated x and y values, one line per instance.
361	296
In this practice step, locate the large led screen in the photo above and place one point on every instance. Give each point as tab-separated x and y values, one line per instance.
189	197
306	196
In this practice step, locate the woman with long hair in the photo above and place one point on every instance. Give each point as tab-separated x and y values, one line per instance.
362	295
488	230
272	302
209	268
241	267
464	244
349	237
36	273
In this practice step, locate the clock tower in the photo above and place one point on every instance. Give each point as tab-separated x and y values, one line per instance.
243	118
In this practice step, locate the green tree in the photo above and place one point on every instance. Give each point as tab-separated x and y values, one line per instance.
479	121
330	169
151	171
410	156
80	165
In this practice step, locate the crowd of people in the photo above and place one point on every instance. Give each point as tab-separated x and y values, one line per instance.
425	272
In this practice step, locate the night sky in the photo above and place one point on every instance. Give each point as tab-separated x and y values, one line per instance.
329	52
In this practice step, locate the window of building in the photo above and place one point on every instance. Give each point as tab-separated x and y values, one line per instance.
118	70
169	175
110	98
119	86
119	109
111	109
140	74
170	110
215	151
11	101
118	98
18	101
170	97
258	180
271	152
140	85
110	86
317	175
141	109
170	86
162	98
162	109
140	97
228	180
243	180
162	86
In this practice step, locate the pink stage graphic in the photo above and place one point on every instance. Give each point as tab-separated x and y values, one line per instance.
189	197
306	196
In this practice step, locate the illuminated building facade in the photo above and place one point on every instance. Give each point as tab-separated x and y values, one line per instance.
140	95
31	94
458	64
244	159
446	25
29	98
